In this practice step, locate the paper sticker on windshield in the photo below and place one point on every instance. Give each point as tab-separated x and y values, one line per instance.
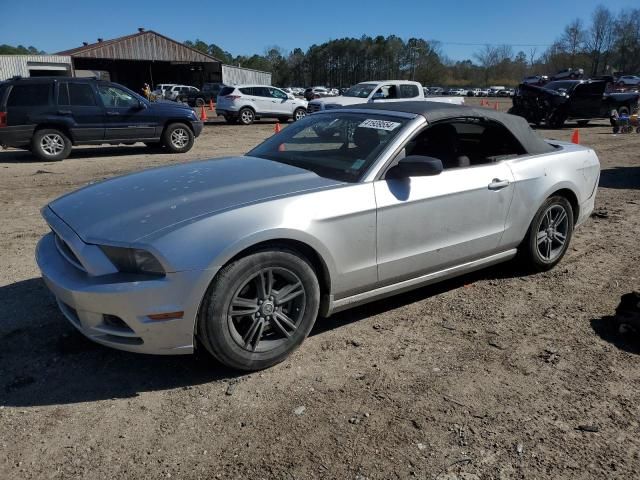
379	124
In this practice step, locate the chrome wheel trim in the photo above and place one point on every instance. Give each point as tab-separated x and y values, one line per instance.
300	114
267	309
179	138
52	144
551	237
246	116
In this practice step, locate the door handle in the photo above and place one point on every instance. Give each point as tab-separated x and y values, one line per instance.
113	114
497	184
64	112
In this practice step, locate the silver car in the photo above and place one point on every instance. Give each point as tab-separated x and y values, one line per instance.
240	255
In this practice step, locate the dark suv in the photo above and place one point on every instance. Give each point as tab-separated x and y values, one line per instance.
49	115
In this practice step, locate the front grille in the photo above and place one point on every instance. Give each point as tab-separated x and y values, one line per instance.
67	253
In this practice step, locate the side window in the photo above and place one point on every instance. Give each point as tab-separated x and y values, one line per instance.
63	93
115	97
261	91
387	92
409	91
465	143
81	95
247	91
29	95
278	94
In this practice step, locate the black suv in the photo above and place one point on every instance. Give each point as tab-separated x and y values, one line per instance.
49	115
209	93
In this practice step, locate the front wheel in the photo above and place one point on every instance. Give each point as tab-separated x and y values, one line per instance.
299	114
199	102
50	144
178	138
549	234
259	309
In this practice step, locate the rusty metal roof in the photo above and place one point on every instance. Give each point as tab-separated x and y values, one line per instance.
144	45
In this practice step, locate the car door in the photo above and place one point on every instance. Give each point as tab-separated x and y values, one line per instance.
281	103
587	99
386	93
126	116
78	102
426	224
264	101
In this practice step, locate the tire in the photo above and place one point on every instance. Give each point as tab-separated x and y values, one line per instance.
299	114
253	338
555	121
200	102
542	248
246	116
582	123
50	144
178	138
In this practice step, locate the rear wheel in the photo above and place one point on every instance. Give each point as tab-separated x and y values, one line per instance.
50	144
259	309
199	102
247	116
178	138
549	234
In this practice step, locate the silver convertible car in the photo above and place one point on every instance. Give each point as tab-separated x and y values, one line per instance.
240	255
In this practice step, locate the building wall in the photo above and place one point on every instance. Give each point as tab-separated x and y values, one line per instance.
22	65
239	76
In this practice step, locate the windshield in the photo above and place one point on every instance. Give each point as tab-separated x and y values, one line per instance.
362	90
340	146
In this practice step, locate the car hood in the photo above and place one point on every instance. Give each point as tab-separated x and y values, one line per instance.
167	106
129	208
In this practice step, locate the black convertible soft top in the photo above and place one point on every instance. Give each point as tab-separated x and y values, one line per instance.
438	111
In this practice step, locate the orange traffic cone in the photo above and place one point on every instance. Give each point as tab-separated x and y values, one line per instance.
210	105
203	114
277	128
575	136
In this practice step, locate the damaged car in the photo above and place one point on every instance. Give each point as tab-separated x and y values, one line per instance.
562	100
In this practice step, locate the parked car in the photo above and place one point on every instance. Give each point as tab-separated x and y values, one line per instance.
300	228
561	100
493	91
484	92
161	88
48	115
505	92
536	80
474	92
179	93
436	91
246	103
628	81
569	74
199	98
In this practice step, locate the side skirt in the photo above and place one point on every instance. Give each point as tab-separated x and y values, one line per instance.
406	285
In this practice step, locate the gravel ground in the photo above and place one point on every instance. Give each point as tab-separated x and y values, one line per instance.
495	375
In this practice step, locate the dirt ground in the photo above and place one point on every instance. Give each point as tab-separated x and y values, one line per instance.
495	375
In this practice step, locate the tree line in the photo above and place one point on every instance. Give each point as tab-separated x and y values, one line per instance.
607	43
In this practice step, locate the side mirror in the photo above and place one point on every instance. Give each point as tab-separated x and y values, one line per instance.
416	166
141	105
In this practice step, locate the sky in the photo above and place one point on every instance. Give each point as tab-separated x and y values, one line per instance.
247	27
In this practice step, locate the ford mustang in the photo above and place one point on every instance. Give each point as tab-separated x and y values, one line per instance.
241	255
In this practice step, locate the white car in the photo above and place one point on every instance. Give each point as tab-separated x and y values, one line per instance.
161	89
178	91
246	103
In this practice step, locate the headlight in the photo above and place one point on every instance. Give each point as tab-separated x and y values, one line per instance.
133	260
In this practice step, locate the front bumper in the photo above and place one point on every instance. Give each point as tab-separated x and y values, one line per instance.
91	303
197	128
